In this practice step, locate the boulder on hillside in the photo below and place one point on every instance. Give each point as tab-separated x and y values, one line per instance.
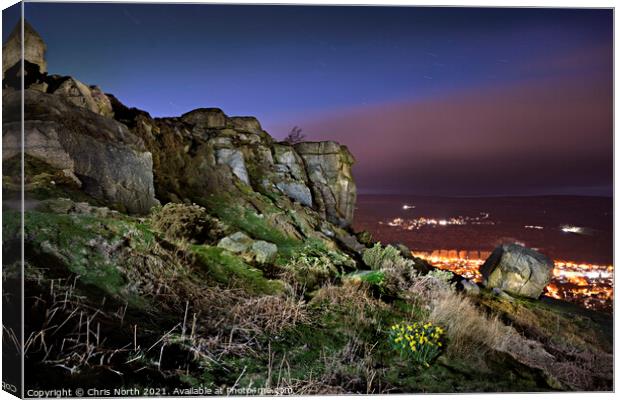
245	124
251	250
206	118
517	270
290	174
264	252
297	191
236	243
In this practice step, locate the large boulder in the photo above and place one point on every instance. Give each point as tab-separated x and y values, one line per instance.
290	174
517	270
289	162
206	118
245	124
297	191
109	161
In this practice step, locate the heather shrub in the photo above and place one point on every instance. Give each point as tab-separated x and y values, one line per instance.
314	264
189	222
442	277
379	257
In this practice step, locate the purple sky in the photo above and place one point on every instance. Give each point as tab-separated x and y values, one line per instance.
540	136
445	101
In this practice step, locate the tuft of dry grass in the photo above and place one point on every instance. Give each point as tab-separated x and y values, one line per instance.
268	314
67	332
178	221
468	329
350	370
352	295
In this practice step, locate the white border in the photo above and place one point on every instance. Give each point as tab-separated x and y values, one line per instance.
470	3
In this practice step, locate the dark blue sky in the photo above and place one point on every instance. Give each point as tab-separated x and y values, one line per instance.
428	80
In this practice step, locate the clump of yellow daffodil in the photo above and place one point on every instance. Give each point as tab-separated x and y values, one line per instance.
420	342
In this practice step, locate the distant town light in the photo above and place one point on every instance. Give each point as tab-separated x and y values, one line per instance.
418	223
533	227
572	229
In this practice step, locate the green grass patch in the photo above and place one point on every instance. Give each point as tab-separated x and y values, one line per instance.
371	277
11	224
226	268
80	242
253	224
73	238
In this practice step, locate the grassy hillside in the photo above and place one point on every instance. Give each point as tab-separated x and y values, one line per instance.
124	301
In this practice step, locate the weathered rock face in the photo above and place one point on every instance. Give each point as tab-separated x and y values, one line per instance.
108	161
328	165
34	48
190	153
517	270
204	118
91	98
290	174
234	159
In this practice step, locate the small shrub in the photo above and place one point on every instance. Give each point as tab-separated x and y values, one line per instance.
314	264
353	302
398	278
379	257
398	272
364	237
420	343
295	136
189	222
443	277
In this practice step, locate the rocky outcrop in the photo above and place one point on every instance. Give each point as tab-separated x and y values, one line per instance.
103	156
290	174
517	270
34	48
127	159
205	118
328	165
196	153
91	98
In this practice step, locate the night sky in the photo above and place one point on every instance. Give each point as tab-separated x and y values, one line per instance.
433	101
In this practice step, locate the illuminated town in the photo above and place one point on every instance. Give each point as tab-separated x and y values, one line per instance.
468	233
589	285
418	223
